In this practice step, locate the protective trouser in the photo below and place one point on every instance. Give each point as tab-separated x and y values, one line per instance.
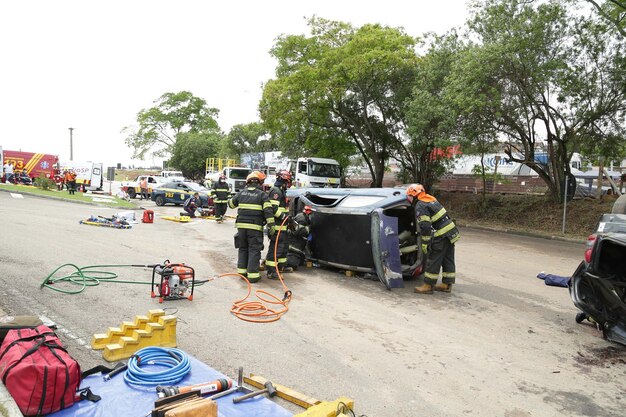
440	256
220	210
294	260
190	211
250	247
281	252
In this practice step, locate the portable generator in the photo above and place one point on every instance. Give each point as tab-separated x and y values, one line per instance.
177	281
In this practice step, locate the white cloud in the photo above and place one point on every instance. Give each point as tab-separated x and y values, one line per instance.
92	65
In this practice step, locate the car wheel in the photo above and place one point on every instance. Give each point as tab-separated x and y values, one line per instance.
619	207
132	193
159	200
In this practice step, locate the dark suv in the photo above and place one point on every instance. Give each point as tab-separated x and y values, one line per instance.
598	287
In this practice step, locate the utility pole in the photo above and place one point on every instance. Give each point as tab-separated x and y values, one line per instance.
71	144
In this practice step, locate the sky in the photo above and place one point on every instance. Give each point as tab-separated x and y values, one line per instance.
93	65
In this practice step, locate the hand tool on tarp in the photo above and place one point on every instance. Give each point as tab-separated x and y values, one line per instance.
269	389
238	388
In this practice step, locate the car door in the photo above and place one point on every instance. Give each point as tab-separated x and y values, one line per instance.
183	192
386	249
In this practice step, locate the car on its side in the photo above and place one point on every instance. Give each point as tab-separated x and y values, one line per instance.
176	192
370	230
598	287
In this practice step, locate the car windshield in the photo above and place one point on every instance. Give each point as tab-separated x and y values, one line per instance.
196	187
239	174
323	170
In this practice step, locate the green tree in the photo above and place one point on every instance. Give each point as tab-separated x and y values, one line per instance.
191	150
543	79
245	138
173	114
342	85
430	117
614	11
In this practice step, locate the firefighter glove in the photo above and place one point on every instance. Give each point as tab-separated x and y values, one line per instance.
271	231
424	248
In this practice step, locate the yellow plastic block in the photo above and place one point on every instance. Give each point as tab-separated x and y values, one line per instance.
113	334
326	408
162	333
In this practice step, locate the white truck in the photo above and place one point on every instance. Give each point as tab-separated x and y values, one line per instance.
314	172
133	189
88	174
235	177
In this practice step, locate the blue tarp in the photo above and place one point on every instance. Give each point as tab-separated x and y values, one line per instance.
119	399
554	280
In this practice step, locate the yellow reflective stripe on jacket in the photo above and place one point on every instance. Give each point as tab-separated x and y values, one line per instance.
275	202
424	218
250	206
281	228
455	238
270	221
438	215
425	238
231	204
267	204
249	226
445	229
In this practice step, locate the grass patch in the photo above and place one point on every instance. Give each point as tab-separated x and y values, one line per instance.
527	213
64	195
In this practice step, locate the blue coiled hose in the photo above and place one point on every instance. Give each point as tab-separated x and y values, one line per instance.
174	360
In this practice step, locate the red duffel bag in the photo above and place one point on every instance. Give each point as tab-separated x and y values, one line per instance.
38	372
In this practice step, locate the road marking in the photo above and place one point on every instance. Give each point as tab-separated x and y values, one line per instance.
14	195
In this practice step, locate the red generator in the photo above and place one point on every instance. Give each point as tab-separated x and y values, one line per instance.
176	283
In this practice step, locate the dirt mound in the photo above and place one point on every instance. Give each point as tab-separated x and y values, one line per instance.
526	213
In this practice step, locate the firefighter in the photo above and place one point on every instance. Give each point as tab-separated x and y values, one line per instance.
143	185
298	238
438	235
278	198
254	210
192	204
219	193
70	181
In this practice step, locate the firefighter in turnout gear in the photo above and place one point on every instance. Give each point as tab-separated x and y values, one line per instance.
219	193
278	199
254	210
438	235
298	238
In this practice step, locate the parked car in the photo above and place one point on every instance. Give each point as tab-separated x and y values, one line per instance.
176	192
598	287
362	229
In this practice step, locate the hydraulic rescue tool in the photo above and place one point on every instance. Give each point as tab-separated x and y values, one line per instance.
212	387
176	281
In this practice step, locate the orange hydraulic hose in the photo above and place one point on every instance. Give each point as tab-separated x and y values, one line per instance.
259	311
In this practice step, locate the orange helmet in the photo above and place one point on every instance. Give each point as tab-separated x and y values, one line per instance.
284	174
255	176
414	190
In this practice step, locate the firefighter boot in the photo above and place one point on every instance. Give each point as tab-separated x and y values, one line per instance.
262	265
424	289
443	287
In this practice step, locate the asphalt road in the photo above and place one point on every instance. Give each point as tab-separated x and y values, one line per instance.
502	344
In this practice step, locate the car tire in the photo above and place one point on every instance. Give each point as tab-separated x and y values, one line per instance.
159	200
132	193
619	207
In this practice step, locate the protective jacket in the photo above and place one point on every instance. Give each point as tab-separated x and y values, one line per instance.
220	192
433	220
192	203
254	209
279	205
299	234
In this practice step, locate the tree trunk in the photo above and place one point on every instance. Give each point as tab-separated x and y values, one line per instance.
600	178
